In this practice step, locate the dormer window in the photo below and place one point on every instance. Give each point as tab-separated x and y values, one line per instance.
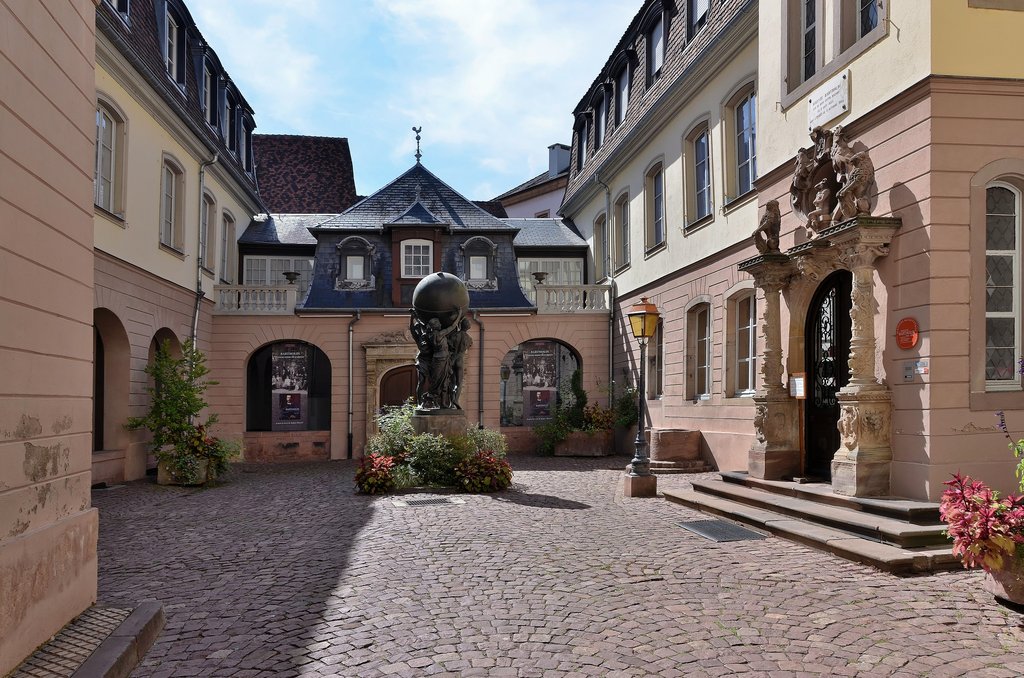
174	48
602	122
655	50
621	95
698	15
582	132
480	255
230	128
355	269
209	94
417	258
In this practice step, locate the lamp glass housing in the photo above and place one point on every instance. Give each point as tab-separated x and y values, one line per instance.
643	319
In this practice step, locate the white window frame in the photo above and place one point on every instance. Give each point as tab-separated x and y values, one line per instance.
656	49
698	15
601	253
622	230
654	187
567	271
172	189
749	101
1014	383
861	6
411	268
702	175
352	262
208	218
622	83
209	94
812	29
602	122
745	366
106	197
702	352
171	46
228	249
475	262
268	270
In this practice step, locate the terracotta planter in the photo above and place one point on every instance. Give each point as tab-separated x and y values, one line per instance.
1008	583
587	444
165	476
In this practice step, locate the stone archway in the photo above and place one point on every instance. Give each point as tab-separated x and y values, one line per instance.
384	353
112	382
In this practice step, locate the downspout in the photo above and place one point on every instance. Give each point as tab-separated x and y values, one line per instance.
480	376
611	282
351	326
199	260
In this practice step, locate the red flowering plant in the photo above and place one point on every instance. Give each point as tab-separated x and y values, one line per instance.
376	474
985	528
484	471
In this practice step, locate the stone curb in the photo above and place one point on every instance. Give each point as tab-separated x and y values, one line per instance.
123	649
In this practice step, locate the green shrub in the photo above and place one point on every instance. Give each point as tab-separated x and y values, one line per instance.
484	472
433	459
394	426
625	408
488	440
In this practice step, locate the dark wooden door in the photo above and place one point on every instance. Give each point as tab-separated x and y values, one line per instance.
827	361
398	385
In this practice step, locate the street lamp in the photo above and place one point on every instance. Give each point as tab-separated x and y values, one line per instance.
643	321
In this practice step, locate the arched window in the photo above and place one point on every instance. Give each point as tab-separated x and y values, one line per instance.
479	262
288	388
355	264
1002	285
172	205
654	187
741	345
532	376
601	252
698	349
109	170
621	217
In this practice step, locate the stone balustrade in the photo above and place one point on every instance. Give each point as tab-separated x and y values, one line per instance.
255	299
573	298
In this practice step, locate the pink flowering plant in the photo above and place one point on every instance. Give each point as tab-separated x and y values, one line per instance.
987	530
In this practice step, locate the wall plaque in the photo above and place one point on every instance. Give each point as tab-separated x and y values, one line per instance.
907	333
829	101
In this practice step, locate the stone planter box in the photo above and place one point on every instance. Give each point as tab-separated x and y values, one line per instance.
164	475
1007	584
669	444
587	444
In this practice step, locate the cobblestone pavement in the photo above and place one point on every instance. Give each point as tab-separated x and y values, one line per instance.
285	571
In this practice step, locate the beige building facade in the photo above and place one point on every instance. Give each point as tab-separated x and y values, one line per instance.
48	529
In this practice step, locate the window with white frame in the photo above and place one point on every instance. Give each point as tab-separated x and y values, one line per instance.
582	132
207	220
867	17
699	345
622	94
602	122
172	194
230	125
601	247
808	38
698	204
355	263
655	50
559	272
654	186
744	345
697	11
109	159
227	249
268	271
209	94
477	267
745	115
656	362
417	258
1002	285
622	231
174	48
480	261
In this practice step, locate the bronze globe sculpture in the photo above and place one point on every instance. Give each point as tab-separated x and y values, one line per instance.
440	328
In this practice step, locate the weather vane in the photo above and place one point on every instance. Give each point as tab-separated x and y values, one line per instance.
418	154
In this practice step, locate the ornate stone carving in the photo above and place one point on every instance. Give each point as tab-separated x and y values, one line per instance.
847	426
766	236
760	414
365	284
813	266
819	218
855	172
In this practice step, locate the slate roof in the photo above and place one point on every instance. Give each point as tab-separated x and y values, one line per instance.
304	174
539	180
282	229
417	185
546	233
492	206
136	39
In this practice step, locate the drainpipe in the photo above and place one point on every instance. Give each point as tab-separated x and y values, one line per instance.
199	261
480	376
351	326
611	293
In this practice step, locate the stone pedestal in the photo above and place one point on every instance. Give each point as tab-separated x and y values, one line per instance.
447	423
639	486
862	464
775	453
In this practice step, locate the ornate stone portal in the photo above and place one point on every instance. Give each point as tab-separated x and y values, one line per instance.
830	192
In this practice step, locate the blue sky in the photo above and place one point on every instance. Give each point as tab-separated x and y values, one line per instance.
492	82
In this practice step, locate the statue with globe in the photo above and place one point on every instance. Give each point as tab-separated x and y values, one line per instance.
439	326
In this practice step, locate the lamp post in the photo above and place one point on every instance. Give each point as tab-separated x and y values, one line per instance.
506	372
639	482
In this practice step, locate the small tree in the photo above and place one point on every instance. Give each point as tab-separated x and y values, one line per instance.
180	439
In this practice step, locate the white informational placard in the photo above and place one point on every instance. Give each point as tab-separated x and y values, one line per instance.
829	101
798	385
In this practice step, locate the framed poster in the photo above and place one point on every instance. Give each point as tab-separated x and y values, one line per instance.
289	370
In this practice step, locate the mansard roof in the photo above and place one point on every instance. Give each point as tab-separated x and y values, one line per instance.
304	174
282	229
417	186
546	233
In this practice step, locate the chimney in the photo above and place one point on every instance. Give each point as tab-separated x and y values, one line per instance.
558	159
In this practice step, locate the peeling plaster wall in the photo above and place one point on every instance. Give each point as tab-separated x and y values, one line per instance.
47	528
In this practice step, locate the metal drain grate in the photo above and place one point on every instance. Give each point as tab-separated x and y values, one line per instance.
720	530
433	501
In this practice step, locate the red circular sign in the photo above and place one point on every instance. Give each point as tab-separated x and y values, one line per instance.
907	333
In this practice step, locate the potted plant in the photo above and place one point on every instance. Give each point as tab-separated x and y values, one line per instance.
988	530
187	453
577	429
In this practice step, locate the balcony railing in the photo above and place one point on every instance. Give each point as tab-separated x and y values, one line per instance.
255	299
573	298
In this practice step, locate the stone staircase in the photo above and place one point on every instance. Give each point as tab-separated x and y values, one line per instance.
901	536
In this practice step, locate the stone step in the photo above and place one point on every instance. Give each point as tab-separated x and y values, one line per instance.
903	561
910	510
876	527
686	466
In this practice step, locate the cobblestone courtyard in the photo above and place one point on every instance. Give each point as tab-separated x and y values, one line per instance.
285	571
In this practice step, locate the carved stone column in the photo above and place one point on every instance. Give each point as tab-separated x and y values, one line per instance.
861	466
775	452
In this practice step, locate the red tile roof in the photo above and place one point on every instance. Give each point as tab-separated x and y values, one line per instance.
303	174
